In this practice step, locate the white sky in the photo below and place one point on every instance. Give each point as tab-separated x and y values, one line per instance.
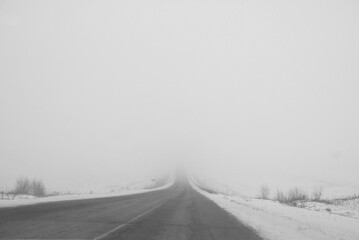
109	88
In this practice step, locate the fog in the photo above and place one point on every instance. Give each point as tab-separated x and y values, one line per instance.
94	90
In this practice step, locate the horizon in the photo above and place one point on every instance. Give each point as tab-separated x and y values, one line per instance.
90	93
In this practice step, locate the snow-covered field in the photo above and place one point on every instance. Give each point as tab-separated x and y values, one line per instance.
247	182
248	186
10	200
276	221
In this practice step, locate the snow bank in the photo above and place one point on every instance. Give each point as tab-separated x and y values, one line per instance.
20	200
275	221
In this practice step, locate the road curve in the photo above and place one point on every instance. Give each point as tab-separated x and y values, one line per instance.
178	212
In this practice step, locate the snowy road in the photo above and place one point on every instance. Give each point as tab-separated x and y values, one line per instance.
178	212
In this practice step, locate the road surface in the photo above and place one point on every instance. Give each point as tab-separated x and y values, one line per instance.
178	212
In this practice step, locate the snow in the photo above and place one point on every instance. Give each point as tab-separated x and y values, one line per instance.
345	207
10	200
275	221
247	183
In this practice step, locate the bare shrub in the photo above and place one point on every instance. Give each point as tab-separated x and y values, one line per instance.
37	188
296	194
339	201
22	186
317	193
264	192
349	197
280	196
34	187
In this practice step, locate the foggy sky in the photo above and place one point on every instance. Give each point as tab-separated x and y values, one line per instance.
110	88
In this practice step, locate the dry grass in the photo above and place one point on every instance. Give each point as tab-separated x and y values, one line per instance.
264	192
317	193
291	197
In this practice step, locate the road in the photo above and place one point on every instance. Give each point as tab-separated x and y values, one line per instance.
178	212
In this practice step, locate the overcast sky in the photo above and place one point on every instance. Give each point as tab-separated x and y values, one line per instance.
109	88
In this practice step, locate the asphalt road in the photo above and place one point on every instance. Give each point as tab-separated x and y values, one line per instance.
178	213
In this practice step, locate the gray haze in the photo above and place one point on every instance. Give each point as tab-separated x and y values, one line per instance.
99	89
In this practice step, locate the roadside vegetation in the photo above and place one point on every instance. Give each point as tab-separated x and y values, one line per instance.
34	187
297	197
264	192
25	186
293	196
